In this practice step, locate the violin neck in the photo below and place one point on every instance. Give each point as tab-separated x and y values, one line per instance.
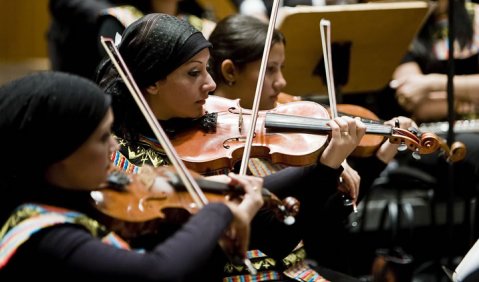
315	125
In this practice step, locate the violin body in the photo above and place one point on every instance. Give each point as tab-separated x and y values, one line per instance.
293	134
205	151
136	204
141	202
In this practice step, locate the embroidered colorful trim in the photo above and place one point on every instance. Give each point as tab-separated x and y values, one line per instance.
262	276
120	161
302	272
28	219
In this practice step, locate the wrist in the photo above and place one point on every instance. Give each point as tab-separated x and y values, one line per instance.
332	163
387	151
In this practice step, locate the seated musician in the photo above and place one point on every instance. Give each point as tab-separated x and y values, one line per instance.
168	59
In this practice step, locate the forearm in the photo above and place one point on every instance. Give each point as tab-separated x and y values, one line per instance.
179	255
293	181
466	87
430	110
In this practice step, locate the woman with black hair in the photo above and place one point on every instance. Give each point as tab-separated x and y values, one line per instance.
74	34
49	225
169	60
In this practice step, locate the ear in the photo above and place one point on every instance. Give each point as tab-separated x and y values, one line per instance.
228	70
153	89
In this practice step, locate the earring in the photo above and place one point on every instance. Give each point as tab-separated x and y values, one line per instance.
230	83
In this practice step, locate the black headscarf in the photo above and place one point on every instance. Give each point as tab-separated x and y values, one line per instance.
152	48
45	117
157	44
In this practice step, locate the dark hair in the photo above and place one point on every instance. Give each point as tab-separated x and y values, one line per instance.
464	31
240	38
46	117
152	47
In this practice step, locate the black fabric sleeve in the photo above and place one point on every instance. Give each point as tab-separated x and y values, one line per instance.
76	251
369	169
294	181
313	187
84	11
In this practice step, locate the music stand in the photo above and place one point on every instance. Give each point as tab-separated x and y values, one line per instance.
369	41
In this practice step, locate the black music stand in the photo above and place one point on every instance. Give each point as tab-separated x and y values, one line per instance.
368	43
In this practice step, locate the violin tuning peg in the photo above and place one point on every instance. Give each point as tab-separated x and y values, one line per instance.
397	123
402	147
414	131
416	155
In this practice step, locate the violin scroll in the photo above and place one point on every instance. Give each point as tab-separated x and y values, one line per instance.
418	143
456	153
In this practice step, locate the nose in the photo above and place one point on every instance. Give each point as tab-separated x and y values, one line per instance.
279	82
210	84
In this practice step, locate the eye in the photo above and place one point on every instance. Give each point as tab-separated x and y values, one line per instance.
106	136
271	69
194	73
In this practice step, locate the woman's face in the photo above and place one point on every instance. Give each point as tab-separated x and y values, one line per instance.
184	91
273	82
88	166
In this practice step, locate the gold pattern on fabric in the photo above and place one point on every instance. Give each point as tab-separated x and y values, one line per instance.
294	257
262	263
31	210
149	152
143	152
259	264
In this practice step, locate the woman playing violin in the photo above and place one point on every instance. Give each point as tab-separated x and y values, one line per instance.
235	60
169	61
239	42
48	226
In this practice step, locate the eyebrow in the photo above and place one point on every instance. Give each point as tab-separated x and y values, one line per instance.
194	61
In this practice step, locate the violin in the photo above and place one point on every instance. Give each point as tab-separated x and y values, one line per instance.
135	205
186	177
293	134
370	142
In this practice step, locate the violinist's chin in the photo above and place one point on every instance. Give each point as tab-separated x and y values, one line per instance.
270	102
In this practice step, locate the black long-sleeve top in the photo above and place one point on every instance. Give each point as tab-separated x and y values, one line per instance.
68	251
